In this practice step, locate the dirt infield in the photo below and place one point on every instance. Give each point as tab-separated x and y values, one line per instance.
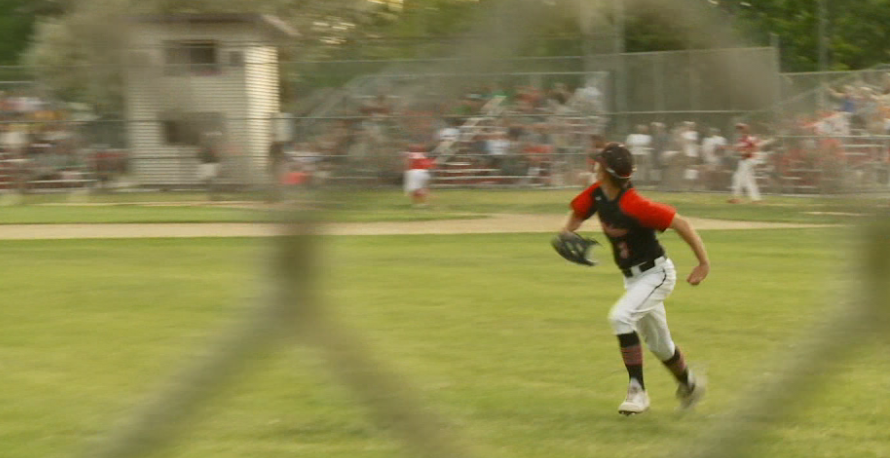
505	223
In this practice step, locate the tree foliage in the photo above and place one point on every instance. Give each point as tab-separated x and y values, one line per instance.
856	33
74	43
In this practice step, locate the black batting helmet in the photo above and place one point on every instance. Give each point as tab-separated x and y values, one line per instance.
617	161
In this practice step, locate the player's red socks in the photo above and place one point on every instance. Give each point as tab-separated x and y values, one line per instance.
677	365
632	354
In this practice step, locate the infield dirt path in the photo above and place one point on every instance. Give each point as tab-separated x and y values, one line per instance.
505	223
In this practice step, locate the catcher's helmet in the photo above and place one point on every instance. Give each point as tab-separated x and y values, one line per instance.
617	161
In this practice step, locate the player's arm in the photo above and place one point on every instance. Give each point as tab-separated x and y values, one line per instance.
583	207
573	222
691	237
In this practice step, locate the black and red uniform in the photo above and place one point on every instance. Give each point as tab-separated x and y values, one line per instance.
629	221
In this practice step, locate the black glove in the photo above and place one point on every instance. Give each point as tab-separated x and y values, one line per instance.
574	248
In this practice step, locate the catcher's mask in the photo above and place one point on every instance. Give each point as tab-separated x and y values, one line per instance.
617	161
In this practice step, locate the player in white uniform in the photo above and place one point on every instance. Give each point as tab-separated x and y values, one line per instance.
417	176
744	175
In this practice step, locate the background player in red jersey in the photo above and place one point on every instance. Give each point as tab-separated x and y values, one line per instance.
746	146
630	222
417	175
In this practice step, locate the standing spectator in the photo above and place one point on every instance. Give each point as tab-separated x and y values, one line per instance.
746	147
640	143
712	149
660	142
209	159
14	142
689	139
277	170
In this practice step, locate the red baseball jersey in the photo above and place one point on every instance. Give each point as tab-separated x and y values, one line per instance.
419	161
629	222
747	145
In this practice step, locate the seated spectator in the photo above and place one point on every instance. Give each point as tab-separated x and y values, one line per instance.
379	106
559	94
450	133
498	149
538	159
689	138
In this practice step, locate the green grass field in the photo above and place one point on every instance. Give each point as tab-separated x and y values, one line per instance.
392	205
496	333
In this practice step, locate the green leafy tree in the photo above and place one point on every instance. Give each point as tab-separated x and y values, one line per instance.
79	53
18	19
856	29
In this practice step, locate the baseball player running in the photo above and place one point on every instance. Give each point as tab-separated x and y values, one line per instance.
630	222
417	175
744	175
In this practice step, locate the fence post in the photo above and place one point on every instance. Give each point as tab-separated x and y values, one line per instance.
775	43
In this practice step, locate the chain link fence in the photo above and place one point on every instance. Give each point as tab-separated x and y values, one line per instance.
187	110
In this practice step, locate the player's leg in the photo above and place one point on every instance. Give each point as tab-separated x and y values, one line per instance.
408	182
413	185
423	190
751	182
643	292
654	330
737	184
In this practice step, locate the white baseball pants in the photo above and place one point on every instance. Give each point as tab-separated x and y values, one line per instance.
416	179
641	309
744	178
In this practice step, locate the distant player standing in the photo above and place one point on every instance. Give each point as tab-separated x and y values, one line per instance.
417	175
746	146
630	222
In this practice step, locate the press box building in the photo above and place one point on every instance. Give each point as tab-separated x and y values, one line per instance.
198	79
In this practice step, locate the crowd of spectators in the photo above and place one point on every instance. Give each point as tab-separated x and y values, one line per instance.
848	140
685	156
40	146
497	132
527	134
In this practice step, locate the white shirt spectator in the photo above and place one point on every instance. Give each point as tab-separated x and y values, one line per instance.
449	134
639	143
709	148
14	140
498	146
690	143
587	99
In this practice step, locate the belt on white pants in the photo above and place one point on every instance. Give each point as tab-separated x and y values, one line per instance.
642	267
